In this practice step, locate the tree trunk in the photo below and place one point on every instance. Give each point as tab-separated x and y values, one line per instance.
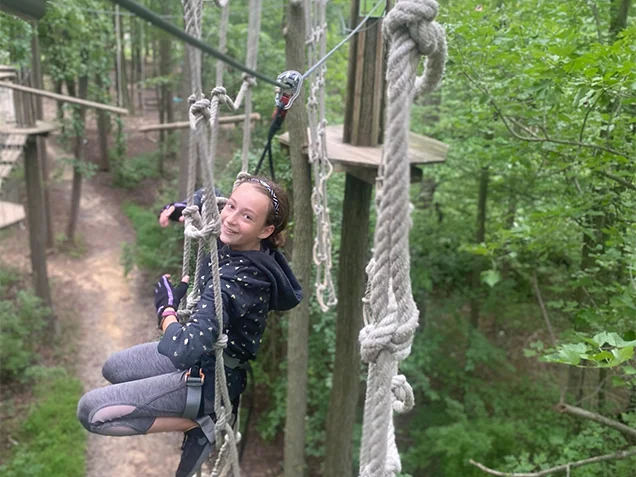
297	357
186	91
103	128
78	151
480	237
124	69
60	104
165	93
341	416
620	13
36	221
41	140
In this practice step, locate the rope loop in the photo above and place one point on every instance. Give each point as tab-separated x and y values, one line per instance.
221	342
209	230
403	399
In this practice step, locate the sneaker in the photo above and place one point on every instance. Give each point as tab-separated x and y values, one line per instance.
194	450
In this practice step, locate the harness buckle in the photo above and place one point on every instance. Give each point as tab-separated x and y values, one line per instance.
194	376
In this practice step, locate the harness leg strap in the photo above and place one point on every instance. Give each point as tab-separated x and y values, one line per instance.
194	392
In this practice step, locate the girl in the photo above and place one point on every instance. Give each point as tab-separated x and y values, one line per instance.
148	391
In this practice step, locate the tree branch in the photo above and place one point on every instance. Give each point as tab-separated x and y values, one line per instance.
544	310
533	137
560	468
627	431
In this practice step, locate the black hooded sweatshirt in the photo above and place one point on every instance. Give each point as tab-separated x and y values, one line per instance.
253	283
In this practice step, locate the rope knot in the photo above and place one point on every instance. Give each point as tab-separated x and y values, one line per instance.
221	94
403	399
415	18
250	80
376	337
201	108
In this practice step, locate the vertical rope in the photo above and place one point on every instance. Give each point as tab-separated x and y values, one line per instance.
205	227
391	313
321	165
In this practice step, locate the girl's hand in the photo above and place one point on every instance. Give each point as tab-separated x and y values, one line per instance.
167	296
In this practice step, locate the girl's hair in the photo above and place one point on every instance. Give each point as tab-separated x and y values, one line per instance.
278	214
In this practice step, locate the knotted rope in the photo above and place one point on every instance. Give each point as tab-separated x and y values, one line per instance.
391	315
205	227
321	165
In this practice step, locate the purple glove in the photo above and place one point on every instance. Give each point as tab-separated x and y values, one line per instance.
168	296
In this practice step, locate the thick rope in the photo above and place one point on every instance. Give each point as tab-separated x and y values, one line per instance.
391	313
205	227
318	158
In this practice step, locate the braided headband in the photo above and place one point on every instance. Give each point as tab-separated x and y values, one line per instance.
269	190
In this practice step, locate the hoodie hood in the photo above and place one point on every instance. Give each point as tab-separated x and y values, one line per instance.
285	291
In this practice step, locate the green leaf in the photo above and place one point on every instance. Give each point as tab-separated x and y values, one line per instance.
490	277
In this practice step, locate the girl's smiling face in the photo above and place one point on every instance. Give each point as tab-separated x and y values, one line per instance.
244	218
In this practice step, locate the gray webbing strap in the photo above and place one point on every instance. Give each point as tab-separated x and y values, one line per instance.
194	392
194	385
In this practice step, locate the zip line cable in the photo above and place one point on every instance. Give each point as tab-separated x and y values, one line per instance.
174	30
346	39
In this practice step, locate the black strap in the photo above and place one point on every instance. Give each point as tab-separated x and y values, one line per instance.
277	123
194	392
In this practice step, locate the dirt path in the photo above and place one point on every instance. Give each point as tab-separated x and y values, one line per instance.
106	303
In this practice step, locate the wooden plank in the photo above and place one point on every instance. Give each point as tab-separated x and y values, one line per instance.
14	140
7	68
63	97
9	156
10	214
5	170
41	127
6	75
422	150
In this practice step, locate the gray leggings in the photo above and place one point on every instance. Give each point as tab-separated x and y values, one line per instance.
145	385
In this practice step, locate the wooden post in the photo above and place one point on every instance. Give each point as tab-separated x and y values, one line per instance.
35	216
365	83
362	127
343	400
295	463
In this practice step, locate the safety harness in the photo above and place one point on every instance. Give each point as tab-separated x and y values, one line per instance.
195	378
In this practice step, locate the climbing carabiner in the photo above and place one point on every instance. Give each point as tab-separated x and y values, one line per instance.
293	82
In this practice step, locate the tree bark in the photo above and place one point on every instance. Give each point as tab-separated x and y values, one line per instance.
341	416
480	237
41	141
620	13
186	91
294	462
103	129
78	150
35	216
165	93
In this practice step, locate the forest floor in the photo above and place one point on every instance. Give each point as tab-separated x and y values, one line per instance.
94	300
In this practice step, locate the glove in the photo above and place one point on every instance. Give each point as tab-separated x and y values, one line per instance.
168	296
176	214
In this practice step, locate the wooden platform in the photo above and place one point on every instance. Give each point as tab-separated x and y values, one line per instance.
363	162
41	128
10	214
